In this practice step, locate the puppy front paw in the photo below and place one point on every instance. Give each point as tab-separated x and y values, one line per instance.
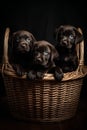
58	74
31	75
19	71
40	75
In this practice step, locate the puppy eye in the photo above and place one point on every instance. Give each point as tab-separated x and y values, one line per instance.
28	40
17	39
45	53
71	37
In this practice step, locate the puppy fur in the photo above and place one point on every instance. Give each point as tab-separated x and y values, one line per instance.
43	56
67	37
21	43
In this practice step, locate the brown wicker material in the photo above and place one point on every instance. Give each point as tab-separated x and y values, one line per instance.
43	100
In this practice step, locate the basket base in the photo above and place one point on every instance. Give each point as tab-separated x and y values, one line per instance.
46	120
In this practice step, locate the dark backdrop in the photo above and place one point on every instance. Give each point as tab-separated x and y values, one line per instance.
41	18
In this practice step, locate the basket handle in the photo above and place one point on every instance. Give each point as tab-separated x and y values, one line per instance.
6	65
81	50
5	51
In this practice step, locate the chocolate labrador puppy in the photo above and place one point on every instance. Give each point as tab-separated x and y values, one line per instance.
43	56
67	37
21	43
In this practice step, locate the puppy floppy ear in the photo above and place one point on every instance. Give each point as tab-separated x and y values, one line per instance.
79	35
54	53
55	34
33	38
57	31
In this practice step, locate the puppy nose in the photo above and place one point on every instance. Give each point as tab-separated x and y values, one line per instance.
39	59
24	45
64	43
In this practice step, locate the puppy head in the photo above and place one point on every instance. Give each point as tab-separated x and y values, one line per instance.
22	41
44	53
67	36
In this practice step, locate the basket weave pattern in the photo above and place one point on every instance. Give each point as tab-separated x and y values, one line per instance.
43	100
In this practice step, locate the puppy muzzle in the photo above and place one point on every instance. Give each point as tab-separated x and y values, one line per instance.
24	47
38	60
66	44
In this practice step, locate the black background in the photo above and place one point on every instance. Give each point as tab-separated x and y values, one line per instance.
41	18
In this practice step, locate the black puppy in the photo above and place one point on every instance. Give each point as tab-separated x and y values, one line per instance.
21	43
43	56
67	37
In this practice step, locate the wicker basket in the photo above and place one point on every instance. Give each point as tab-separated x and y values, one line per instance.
43	100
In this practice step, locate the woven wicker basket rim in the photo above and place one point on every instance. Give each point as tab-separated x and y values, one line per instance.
67	76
